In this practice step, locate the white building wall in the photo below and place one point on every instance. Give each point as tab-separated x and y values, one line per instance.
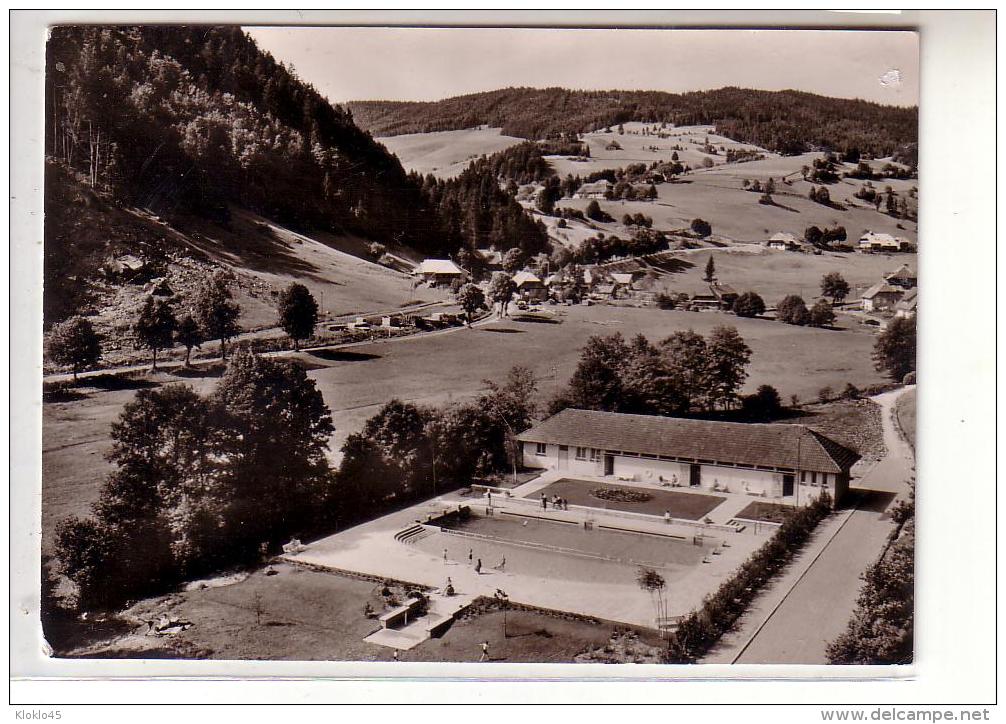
740	480
652	471
646	470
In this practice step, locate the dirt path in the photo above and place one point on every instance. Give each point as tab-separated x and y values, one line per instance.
823	584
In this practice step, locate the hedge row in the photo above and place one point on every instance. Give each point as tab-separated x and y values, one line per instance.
699	631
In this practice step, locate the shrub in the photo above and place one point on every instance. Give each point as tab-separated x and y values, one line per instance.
749	304
792	310
825	394
701	228
665	301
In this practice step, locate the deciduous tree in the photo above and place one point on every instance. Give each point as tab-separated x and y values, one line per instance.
73	343
155	327
298	313
216	311
894	350
471	299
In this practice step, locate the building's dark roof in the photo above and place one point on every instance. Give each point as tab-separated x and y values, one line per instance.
738	443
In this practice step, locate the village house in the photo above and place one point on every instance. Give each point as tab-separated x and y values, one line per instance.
791	464
529	287
881	297
493	259
871	242
902	277
784	241
908	305
439	272
704	301
594	190
725	294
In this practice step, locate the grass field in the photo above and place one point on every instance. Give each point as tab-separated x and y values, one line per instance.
717	194
691	506
445	154
312	616
905	415
452	367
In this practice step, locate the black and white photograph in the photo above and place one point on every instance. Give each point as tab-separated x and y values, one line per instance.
482	345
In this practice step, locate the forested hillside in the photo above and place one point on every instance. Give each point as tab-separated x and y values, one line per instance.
783	121
195	119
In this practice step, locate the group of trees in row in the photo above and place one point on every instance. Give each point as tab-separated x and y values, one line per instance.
212	314
682	374
783	121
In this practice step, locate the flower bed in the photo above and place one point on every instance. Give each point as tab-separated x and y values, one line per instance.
621	495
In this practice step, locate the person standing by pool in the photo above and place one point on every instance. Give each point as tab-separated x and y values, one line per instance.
485	652
667	516
445	556
470	556
544	502
478	567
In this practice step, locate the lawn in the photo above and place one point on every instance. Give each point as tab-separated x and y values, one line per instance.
301	614
691	506
904	415
768	512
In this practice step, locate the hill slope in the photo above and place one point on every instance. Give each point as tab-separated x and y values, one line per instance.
102	259
195	119
783	121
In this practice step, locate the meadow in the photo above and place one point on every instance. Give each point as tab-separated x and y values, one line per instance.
444	368
446	154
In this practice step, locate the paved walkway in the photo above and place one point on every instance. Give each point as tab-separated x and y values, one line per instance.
793	621
564	582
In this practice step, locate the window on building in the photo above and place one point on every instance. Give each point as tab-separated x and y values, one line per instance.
581	453
595	455
539	448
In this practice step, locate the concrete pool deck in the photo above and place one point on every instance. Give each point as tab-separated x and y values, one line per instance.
371	548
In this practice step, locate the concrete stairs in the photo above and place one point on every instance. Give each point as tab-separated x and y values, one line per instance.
412	534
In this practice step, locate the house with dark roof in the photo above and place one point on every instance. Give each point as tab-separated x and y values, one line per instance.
909	304
902	277
791	464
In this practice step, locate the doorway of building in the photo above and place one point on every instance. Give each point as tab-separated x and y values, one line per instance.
609	464
787	485
695	476
564	457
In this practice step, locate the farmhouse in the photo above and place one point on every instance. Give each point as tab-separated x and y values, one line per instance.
784	241
529	286
789	463
881	297
492	258
725	294
595	190
439	271
902	277
908	305
871	242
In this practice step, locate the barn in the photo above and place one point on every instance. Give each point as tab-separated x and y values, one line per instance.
791	464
